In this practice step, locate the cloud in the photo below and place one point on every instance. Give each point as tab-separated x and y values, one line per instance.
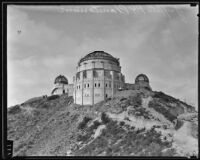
158	41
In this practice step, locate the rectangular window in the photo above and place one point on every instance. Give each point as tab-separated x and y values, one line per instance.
95	74
95	85
108	74
99	84
106	85
78	75
84	74
116	75
88	85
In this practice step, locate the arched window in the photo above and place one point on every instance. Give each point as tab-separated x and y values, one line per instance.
106	95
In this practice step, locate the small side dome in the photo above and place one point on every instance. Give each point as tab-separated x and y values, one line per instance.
141	78
61	79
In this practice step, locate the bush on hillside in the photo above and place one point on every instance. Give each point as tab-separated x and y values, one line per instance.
14	109
104	118
122	99
179	124
136	101
83	138
162	110
95	125
164	97
84	122
52	97
121	123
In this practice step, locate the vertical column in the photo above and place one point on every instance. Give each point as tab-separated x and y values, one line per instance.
82	87
103	80
63	88
75	93
112	83
93	67
74	88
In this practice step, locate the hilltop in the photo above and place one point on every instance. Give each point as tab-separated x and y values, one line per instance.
133	123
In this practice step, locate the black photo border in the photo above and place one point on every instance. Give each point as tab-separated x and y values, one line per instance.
5	3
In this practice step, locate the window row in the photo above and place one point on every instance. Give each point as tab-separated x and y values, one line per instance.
107	85
96	95
98	73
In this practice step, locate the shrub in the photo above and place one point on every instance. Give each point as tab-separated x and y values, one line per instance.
143	129
52	97
45	105
126	118
112	128
122	99
83	137
136	100
164	97
20	146
94	126
138	131
104	118
14	109
96	123
132	127
162	110
84	122
169	152
178	124
109	151
122	123
74	117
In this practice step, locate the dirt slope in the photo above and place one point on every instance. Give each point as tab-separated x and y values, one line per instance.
136	123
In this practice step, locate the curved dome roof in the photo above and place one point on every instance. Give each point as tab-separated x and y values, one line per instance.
141	77
61	79
99	55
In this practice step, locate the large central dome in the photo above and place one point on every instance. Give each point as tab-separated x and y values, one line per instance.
99	55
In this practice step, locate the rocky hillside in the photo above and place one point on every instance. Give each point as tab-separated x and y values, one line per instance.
133	123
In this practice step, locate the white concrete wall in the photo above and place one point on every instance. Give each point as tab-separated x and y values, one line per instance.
69	88
108	65
84	94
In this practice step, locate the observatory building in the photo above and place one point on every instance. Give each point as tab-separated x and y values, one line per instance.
98	76
62	86
142	81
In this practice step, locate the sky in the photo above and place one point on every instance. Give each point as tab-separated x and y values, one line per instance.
160	41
